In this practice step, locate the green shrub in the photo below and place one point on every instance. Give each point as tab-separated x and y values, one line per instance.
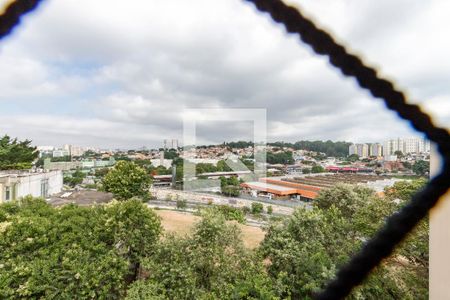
257	208
246	209
231	213
181	204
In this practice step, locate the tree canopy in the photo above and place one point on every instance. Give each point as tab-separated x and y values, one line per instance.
127	180
72	252
330	148
306	250
15	154
116	251
211	263
421	167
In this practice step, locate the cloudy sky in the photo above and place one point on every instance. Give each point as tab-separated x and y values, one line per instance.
109	73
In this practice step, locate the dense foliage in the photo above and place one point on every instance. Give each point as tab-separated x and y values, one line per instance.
230	213
330	148
212	263
306	250
16	155
127	180
280	158
115	251
75	178
421	167
239	144
72	252
230	186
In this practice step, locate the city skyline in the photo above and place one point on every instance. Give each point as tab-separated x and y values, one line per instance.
103	83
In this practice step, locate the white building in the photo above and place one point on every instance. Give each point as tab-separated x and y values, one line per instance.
203	161
362	150
74	150
17	184
60	153
406	145
45	150
376	150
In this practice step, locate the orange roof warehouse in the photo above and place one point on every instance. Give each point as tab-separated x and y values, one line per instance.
308	187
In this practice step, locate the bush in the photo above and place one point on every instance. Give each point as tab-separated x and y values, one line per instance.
257	208
269	209
231	213
181	204
127	180
91	186
72	252
246	209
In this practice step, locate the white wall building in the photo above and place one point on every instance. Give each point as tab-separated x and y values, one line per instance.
362	150
406	145
60	153
74	150
203	161
17	184
376	150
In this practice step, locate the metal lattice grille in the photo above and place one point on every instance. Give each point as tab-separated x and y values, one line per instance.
397	225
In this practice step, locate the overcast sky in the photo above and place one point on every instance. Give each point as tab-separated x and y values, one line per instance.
109	73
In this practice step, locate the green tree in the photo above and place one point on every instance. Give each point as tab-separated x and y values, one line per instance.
181	204
211	263
64	158
404	190
399	154
100	173
421	167
75	178
353	157
72	252
230	186
306	170
306	249
127	180
133	229
16	154
230	213
347	198
407	165
222	166
280	158
171	154
257	208
317	169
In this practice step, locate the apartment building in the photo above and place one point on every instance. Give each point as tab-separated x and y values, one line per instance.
376	150
362	150
406	145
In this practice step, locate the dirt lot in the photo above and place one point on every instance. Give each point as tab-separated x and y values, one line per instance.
182	223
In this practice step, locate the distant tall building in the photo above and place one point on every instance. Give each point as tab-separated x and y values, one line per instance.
60	153
174	144
73	150
376	150
390	146
406	145
362	150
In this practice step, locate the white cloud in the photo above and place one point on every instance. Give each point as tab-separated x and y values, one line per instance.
125	71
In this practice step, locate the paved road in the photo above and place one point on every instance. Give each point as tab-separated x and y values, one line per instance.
203	198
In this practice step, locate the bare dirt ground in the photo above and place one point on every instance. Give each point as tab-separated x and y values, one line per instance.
182	223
